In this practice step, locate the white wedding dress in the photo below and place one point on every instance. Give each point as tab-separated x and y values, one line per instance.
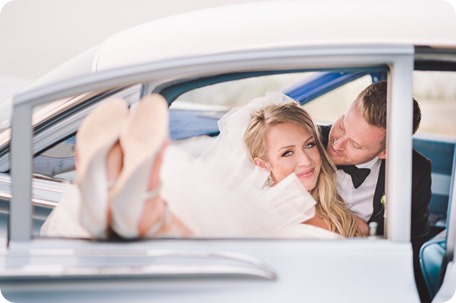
214	188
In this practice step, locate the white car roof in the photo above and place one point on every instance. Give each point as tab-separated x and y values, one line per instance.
282	23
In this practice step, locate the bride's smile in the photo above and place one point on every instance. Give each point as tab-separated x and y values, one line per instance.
306	174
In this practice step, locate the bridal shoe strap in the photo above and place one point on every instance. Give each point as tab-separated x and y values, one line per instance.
152	193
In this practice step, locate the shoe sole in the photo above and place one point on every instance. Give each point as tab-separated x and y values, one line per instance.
143	136
95	137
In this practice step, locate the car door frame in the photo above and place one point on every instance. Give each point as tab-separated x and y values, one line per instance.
399	60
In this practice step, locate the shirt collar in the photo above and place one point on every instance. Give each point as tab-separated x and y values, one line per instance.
369	164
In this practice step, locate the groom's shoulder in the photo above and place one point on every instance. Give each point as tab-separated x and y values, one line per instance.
419	161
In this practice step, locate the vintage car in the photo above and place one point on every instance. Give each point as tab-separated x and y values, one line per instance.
203	63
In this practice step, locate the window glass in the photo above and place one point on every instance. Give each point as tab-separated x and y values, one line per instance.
223	96
56	161
235	93
436	94
209	103
328	107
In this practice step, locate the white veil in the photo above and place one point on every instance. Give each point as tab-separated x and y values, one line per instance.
233	125
222	193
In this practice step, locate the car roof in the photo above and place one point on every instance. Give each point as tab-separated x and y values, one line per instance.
274	24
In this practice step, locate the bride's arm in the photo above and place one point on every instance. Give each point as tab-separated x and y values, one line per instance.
317	221
362	226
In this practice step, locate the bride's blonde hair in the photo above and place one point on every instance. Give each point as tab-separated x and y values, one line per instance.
330	204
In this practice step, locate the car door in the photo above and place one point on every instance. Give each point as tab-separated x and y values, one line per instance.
447	266
171	270
447	291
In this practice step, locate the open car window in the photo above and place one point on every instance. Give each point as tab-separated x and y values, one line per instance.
195	114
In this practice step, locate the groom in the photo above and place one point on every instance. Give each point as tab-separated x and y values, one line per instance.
358	138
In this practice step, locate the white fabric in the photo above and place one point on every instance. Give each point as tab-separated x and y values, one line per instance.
64	219
218	192
359	200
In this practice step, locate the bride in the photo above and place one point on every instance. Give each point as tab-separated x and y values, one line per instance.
266	174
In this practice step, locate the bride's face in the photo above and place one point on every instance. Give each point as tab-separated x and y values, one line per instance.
290	148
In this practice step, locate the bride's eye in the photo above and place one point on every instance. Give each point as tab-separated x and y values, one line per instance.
287	153
310	145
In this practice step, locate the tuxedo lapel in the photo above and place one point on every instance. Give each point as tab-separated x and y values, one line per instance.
378	208
324	134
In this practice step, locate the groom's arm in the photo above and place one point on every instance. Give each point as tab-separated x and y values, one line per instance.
421	196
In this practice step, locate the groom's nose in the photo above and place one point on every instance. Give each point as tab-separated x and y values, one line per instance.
339	143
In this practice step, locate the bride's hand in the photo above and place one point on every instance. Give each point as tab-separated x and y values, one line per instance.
362	226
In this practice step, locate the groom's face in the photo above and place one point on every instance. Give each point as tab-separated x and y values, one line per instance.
353	141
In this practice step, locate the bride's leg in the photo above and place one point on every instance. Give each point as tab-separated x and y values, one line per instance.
96	136
156	211
143	143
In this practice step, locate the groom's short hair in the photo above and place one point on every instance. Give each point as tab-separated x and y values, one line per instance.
372	103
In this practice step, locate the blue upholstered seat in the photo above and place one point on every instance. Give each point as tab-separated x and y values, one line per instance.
432	253
431	257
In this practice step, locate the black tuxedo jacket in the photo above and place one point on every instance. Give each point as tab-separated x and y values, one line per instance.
421	194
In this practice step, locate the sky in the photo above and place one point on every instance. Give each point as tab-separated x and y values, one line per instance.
37	36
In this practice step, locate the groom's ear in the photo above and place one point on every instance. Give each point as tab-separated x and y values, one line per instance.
382	154
260	162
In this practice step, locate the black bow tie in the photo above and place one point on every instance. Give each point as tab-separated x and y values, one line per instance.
358	174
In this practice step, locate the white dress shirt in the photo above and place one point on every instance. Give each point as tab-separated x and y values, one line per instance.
360	200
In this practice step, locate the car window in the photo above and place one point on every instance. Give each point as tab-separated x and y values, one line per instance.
229	94
196	113
328	107
201	108
435	91
436	137
323	109
56	162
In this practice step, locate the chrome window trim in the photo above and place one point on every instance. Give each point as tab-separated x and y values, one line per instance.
38	186
157	263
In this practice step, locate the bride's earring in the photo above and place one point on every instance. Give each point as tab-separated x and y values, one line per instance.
270	182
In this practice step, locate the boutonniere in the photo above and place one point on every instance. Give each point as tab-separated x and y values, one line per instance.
383	202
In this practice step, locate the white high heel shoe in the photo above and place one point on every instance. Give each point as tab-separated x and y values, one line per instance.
141	139
96	136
